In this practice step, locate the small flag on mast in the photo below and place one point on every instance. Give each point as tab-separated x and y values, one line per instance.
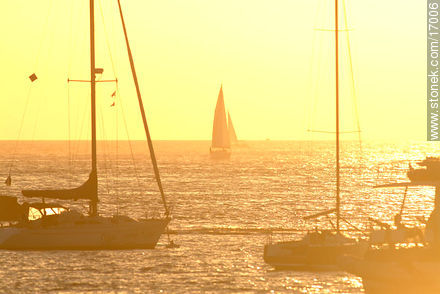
33	77
113	95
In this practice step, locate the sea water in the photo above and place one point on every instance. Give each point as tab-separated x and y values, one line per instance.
224	211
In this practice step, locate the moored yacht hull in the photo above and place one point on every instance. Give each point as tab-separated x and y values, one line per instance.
89	234
296	256
403	276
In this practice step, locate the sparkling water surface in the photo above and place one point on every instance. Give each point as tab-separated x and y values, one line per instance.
223	211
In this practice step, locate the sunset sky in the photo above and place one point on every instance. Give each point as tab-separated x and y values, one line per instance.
266	54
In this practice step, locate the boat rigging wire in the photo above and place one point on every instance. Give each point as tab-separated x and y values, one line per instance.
353	85
331	132
117	92
144	119
318	72
312	110
69	145
118	97
14	153
36	64
107	163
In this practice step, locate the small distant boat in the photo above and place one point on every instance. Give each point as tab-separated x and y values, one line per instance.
221	141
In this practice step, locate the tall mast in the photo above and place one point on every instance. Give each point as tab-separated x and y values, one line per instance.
93	203
337	117
144	118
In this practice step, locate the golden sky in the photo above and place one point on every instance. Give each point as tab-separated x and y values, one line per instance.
266	53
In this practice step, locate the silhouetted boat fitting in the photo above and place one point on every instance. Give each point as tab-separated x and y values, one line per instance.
46	226
221	142
320	249
405	267
428	174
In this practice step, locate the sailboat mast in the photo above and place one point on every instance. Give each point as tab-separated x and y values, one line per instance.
337	117
144	119
93	203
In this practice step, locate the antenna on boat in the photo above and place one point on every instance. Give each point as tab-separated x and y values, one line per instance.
94	202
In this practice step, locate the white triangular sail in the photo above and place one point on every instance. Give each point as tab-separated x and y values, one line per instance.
232	135
220	135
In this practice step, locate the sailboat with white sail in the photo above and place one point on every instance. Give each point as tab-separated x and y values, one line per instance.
221	140
49	226
319	249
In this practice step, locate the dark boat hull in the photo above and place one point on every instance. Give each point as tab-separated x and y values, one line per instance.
308	257
409	271
99	235
217	153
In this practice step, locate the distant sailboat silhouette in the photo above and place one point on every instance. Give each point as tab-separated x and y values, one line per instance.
221	143
53	226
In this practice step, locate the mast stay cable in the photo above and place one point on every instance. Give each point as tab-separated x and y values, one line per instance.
118	97
144	119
